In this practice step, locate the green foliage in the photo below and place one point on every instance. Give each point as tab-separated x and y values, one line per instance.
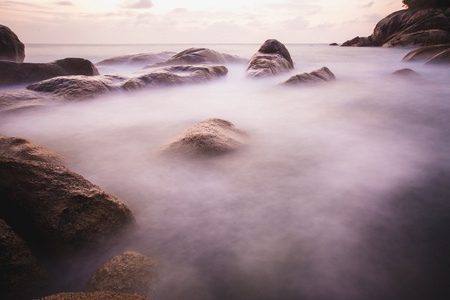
412	4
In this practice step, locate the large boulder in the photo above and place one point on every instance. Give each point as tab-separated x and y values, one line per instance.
75	87
207	138
12	73
129	272
140	59
440	58
199	56
11	48
22	149
107	295
57	210
424	53
21	274
318	76
409	27
174	75
272	58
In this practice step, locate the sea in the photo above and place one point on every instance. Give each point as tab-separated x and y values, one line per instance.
341	192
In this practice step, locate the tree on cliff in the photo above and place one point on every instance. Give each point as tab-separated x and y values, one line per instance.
412	4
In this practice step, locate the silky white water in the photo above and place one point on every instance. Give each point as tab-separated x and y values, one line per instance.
340	193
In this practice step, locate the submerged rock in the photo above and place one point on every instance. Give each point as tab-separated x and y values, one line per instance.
409	27
19	100
199	56
318	76
440	58
174	75
129	272
22	276
56	209
407	73
136	59
424	53
22	149
12	73
207	138
272	58
11	48
94	296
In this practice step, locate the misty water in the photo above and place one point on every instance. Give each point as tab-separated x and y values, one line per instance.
340	193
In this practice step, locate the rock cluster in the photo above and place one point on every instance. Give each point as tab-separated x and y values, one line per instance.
418	27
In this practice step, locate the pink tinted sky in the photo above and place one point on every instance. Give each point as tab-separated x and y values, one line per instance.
193	21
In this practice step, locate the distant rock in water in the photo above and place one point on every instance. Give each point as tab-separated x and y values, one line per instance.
22	149
406	73
207	138
199	56
129	272
318	76
271	59
12	73
174	75
141	59
104	295
406	28
334	44
11	48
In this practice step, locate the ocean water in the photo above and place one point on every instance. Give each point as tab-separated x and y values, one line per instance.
342	191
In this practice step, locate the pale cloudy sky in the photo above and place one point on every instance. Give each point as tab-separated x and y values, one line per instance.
192	21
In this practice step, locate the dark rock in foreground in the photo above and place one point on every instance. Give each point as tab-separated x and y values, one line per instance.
22	149
12	73
129	272
21	274
140	59
207	138
418	27
11	48
54	208
174	75
271	59
318	76
199	56
94	296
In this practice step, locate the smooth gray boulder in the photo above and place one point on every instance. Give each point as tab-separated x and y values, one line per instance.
11	48
271	59
318	76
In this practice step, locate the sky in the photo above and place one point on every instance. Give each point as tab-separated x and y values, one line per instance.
193	21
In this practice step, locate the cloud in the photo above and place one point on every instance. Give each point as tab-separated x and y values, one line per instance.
139	4
19	3
64	3
370	4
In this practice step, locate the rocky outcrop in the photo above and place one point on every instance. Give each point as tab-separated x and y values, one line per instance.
140	59
271	59
12	73
318	76
439	54
75	87
52	207
94	296
21	275
129	272
207	138
411	27
22	149
199	56
11	48
174	75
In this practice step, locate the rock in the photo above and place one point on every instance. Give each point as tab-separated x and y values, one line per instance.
136	59
22	149
199	56
318	76
174	75
21	275
94	296
406	73
207	138
19	100
12	73
425	53
129	272
411	27
55	209
75	87
334	44
440	58
271	59
359	42
11	48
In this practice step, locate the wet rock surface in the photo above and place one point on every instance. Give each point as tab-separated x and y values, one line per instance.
318	76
